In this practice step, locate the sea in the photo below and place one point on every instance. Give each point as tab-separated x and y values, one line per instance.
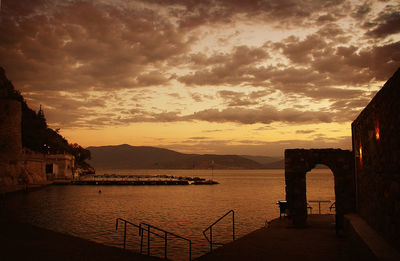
90	212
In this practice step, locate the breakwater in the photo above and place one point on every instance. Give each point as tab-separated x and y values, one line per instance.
129	182
135	180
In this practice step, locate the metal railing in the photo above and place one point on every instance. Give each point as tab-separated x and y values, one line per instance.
210	240
125	222
333	205
319	204
309	207
164	236
144	227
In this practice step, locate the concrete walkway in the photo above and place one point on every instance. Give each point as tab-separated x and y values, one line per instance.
281	242
20	241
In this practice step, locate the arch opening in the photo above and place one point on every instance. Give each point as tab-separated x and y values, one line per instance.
320	190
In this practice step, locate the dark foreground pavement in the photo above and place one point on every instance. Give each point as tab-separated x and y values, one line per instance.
20	241
281	242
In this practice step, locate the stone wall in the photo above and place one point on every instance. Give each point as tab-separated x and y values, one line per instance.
21	166
65	165
35	166
376	142
10	142
300	161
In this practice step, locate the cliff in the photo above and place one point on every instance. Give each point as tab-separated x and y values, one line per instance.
33	131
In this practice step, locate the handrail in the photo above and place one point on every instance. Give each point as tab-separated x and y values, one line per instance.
125	222
210	228
149	232
165	236
332	206
319	204
309	207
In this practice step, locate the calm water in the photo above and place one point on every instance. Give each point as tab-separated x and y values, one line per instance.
183	210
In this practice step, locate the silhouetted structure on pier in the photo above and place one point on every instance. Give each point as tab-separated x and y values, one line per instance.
300	161
367	180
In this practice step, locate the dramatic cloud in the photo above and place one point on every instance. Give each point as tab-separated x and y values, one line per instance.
97	64
84	45
259	147
264	115
362	10
305	131
192	14
237	98
226	68
388	23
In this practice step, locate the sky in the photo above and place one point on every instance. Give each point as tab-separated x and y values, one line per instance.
211	76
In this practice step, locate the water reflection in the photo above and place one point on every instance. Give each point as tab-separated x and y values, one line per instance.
184	210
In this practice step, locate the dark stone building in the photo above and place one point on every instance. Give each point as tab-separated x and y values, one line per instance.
376	145
367	180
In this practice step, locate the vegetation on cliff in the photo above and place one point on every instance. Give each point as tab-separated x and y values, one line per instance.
36	135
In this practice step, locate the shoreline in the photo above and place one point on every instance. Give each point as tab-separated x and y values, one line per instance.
5	190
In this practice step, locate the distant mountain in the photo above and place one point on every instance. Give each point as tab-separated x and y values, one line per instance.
128	157
143	157
279	164
216	161
262	159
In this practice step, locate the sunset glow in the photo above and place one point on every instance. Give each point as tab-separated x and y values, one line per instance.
237	77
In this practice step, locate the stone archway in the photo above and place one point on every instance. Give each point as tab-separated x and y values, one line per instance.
299	161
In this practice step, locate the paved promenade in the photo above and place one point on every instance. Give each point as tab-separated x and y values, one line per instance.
19	241
281	242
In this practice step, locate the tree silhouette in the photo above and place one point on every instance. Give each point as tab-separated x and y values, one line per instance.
36	135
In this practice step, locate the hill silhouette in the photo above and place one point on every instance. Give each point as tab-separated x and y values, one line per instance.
144	157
